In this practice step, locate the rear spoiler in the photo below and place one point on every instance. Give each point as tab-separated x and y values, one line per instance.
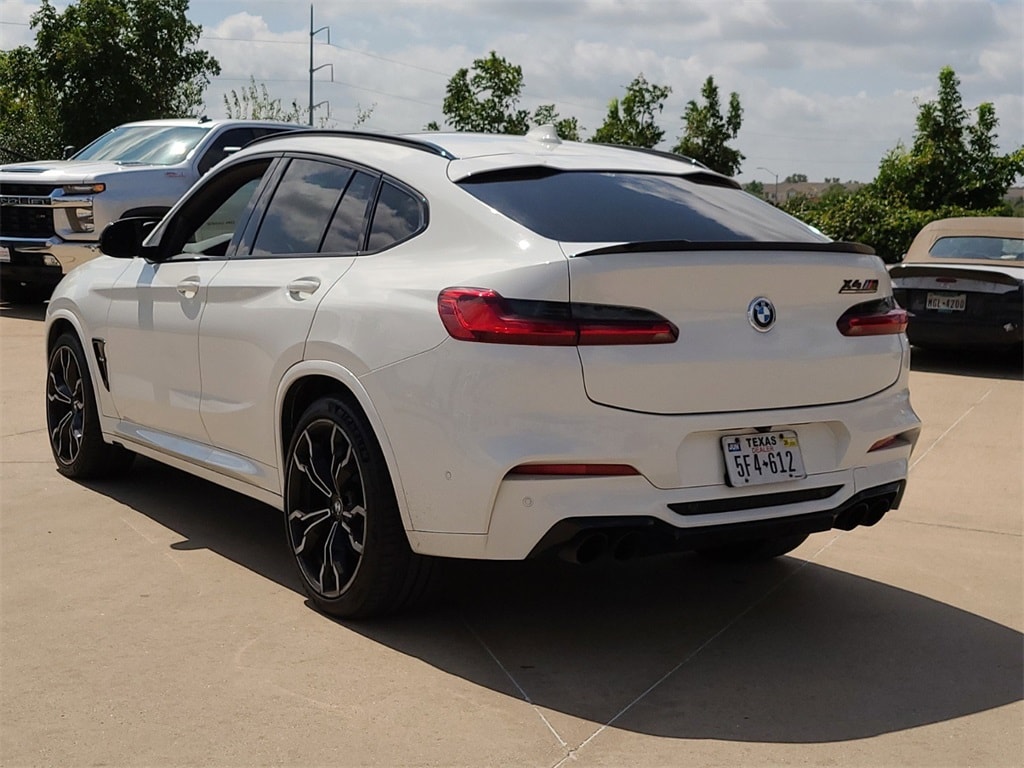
738	245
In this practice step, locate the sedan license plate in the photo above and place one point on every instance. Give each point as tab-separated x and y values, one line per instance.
765	457
949	302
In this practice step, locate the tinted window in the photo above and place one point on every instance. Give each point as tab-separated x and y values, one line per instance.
301	208
995	248
233	138
349	223
207	222
615	207
398	216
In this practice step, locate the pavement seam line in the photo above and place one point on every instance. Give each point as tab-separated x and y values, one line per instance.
725	628
949	429
514	682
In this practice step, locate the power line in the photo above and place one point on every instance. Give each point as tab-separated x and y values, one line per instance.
328	45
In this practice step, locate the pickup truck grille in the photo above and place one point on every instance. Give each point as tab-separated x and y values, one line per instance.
19	217
22	190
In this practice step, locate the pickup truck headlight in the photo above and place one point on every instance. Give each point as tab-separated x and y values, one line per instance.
84	189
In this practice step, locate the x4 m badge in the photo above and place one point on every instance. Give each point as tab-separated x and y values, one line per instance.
859	286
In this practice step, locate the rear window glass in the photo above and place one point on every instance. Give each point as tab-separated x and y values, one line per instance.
589	206
995	248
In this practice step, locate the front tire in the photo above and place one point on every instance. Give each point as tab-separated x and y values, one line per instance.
72	421
342	519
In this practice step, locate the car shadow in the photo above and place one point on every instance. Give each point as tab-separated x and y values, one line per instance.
786	651
23	311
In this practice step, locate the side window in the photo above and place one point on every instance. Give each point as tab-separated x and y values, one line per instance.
231	139
301	208
208	220
349	223
398	217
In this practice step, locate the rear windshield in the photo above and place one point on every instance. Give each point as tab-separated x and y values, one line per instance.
995	248
145	144
591	206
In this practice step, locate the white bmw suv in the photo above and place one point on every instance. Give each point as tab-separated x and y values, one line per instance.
496	347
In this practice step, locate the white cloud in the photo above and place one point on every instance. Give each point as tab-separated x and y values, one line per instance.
827	86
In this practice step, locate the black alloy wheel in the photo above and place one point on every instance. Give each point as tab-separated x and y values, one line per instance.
342	519
327	508
72	421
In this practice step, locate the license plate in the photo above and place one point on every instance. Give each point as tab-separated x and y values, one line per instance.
949	302
5	253
765	457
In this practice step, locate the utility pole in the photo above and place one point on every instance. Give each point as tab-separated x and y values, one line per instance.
760	168
313	33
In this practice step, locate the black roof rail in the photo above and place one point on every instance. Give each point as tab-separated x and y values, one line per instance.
386	138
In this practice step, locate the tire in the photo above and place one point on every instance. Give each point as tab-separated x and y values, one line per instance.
342	519
754	551
72	421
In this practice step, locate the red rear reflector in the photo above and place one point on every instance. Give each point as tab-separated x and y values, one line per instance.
483	315
592	470
885	442
873	319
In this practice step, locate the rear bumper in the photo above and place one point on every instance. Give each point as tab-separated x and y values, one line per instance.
586	538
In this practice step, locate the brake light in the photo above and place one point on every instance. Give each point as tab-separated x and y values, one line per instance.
590	470
484	315
874	318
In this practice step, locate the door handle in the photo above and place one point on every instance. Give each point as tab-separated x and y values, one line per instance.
189	286
303	287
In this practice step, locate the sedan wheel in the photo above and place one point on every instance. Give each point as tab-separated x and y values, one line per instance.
343	524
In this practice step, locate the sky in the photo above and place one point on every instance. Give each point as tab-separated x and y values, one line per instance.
827	86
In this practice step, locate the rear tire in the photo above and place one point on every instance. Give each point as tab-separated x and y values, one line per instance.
72	421
342	520
754	551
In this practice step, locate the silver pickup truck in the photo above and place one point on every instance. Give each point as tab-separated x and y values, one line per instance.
53	211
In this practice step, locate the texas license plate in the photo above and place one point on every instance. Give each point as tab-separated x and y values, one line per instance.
764	457
949	302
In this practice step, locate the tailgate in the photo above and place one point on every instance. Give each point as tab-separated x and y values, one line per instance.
721	362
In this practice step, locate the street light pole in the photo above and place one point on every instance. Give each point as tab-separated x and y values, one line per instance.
773	173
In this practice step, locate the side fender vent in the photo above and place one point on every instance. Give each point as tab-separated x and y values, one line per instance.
99	347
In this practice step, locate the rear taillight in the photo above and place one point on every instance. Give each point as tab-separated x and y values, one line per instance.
873	318
483	315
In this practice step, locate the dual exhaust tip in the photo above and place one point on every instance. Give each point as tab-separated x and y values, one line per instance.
617	544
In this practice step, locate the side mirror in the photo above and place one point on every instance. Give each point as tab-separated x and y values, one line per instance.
69	150
123	238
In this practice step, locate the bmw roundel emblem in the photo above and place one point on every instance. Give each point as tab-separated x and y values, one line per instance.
761	314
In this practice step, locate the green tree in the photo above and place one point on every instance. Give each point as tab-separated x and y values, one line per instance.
486	100
29	128
99	63
796	178
754	188
631	119
567	128
253	102
952	162
707	131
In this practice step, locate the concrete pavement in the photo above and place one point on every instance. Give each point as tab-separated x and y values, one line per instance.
157	621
